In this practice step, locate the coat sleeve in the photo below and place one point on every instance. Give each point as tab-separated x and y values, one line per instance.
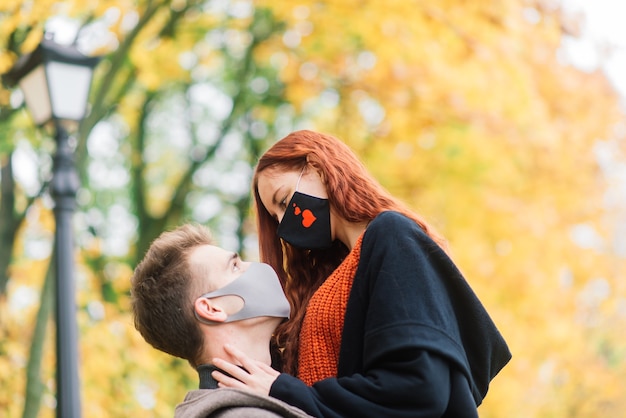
414	386
403	338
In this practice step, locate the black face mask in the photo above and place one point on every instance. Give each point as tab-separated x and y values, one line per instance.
306	223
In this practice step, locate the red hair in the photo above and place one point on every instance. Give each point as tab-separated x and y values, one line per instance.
353	194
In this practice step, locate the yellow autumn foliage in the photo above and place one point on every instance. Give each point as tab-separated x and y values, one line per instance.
461	108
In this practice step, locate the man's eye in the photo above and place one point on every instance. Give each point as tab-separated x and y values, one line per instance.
236	266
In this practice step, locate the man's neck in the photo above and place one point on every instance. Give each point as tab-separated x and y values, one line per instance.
248	336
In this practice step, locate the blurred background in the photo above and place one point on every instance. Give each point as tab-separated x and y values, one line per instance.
502	122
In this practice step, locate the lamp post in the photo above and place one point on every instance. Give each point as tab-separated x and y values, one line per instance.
55	80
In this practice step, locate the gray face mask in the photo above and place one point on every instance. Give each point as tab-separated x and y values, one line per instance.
262	294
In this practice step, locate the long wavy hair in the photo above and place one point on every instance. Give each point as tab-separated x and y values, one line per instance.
353	194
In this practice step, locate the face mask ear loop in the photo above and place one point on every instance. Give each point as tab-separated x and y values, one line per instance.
298	183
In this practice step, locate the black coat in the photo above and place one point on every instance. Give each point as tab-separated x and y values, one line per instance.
416	341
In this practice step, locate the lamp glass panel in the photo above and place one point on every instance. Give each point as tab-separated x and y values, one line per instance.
36	95
69	88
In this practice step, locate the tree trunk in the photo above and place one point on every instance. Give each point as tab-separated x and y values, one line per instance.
34	385
8	226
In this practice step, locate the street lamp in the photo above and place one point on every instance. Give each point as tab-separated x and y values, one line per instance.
55	80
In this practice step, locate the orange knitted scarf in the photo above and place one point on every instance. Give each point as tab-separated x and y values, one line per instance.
320	336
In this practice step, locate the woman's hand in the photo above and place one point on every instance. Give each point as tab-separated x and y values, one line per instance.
257	376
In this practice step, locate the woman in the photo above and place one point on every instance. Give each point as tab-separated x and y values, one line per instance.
383	323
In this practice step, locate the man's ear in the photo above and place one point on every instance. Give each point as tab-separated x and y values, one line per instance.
210	310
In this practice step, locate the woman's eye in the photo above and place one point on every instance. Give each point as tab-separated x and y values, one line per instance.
283	203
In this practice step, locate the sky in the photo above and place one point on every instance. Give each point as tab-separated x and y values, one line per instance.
603	25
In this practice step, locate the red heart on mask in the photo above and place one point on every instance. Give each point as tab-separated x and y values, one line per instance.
308	218
296	210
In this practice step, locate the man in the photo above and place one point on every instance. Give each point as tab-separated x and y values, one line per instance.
191	298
